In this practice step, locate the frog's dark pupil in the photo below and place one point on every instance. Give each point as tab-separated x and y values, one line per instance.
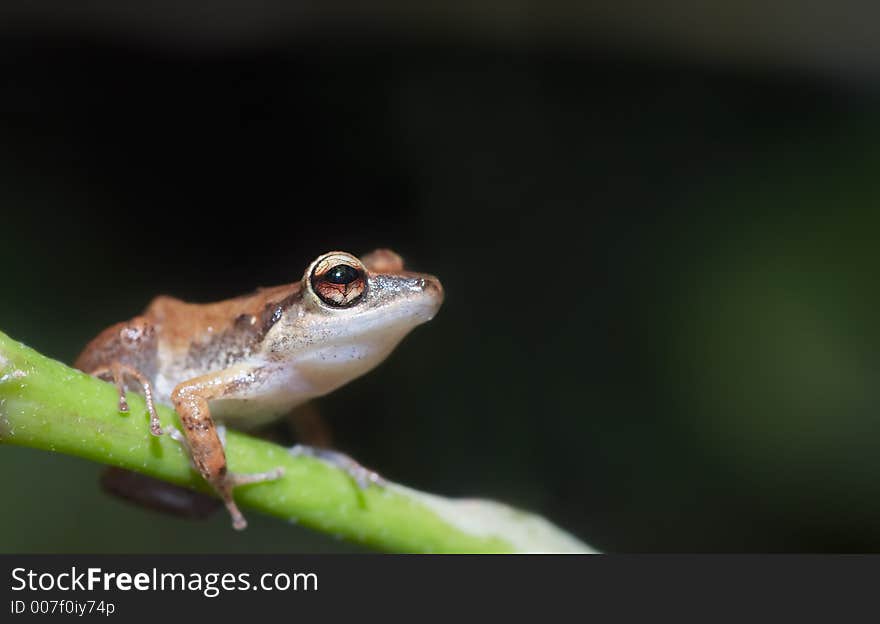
341	274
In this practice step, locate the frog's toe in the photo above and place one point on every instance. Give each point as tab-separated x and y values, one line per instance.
365	477
236	479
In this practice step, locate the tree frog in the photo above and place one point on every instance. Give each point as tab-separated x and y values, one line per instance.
249	360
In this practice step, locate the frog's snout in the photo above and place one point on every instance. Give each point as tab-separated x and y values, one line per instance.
432	286
432	291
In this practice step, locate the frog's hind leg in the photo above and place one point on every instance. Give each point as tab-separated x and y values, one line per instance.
150	493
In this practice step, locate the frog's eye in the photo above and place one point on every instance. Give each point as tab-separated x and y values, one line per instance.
339	280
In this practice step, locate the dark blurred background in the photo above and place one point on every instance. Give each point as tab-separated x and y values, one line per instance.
657	230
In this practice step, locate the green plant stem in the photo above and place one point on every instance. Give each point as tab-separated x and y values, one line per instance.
47	405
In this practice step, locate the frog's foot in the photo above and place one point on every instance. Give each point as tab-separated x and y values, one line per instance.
236	479
230	480
363	476
116	373
227	481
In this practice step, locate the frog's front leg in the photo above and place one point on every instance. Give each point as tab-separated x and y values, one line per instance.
315	441
190	399
362	475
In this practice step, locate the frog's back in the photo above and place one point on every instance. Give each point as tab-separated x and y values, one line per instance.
195	339
178	340
163	334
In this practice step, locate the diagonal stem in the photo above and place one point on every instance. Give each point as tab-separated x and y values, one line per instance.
47	405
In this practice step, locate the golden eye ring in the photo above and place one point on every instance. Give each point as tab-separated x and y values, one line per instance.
339	280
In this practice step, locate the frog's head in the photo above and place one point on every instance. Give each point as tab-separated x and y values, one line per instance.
352	313
374	292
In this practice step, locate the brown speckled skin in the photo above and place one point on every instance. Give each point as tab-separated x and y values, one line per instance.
199	336
133	342
261	354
